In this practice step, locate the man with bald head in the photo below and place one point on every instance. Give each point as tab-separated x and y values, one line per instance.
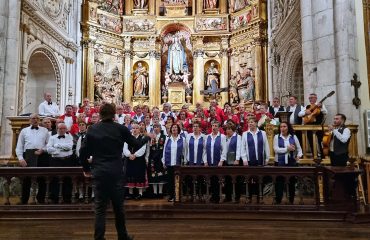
48	107
31	145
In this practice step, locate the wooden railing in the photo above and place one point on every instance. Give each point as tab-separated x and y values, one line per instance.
331	188
47	173
307	179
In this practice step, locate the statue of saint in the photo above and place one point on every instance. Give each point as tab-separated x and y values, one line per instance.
210	4
176	61
140	80
212	76
140	4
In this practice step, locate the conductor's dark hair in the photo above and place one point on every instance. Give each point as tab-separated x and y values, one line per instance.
107	112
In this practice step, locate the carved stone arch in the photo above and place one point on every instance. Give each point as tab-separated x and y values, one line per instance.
292	56
48	53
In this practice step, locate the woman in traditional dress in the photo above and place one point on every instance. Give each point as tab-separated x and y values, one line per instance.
156	170
136	166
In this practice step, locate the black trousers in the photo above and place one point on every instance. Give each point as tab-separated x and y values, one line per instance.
171	182
319	135
34	161
107	189
338	159
67	181
279	189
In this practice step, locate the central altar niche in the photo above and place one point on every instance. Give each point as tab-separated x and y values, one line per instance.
176	66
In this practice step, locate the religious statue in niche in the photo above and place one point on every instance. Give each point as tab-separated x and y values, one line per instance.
233	90
176	61
213	77
141	83
112	6
246	89
210	4
236	5
140	4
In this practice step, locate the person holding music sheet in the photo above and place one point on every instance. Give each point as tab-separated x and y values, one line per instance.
287	153
340	137
276	107
231	156
173	155
214	146
255	151
31	146
317	119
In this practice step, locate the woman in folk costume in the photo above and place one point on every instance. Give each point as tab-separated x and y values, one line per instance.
136	165
173	155
287	153
214	146
231	156
156	170
195	149
255	151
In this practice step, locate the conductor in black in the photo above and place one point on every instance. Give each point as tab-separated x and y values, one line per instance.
104	143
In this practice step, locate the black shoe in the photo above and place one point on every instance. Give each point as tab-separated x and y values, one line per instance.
171	199
138	197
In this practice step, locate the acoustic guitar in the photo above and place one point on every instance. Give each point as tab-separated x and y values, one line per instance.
326	139
315	110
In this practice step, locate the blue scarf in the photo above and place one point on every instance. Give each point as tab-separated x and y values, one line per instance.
216	151
253	161
199	157
167	152
281	156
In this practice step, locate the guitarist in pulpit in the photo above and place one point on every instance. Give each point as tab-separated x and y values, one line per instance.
339	141
313	114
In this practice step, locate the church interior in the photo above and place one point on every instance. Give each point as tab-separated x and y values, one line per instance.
193	53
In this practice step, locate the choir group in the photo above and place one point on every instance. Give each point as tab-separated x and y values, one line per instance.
207	137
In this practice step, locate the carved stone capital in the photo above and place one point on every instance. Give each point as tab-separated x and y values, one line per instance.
69	60
198	53
152	53
128	53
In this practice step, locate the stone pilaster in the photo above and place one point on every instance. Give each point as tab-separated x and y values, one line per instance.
224	81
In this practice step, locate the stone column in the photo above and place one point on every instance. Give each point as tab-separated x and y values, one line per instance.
10	15
23	68
259	71
224	81
198	82
127	78
153	91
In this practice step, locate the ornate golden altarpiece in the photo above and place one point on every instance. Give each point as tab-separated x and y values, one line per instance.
118	34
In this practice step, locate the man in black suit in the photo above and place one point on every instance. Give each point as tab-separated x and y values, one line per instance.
104	142
276	107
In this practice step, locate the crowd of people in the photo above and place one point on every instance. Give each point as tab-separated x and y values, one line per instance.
212	136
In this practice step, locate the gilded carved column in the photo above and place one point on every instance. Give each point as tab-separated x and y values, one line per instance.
223	6
260	71
90	71
224	81
128	84
158	78
153	91
199	7
151	6
198	82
